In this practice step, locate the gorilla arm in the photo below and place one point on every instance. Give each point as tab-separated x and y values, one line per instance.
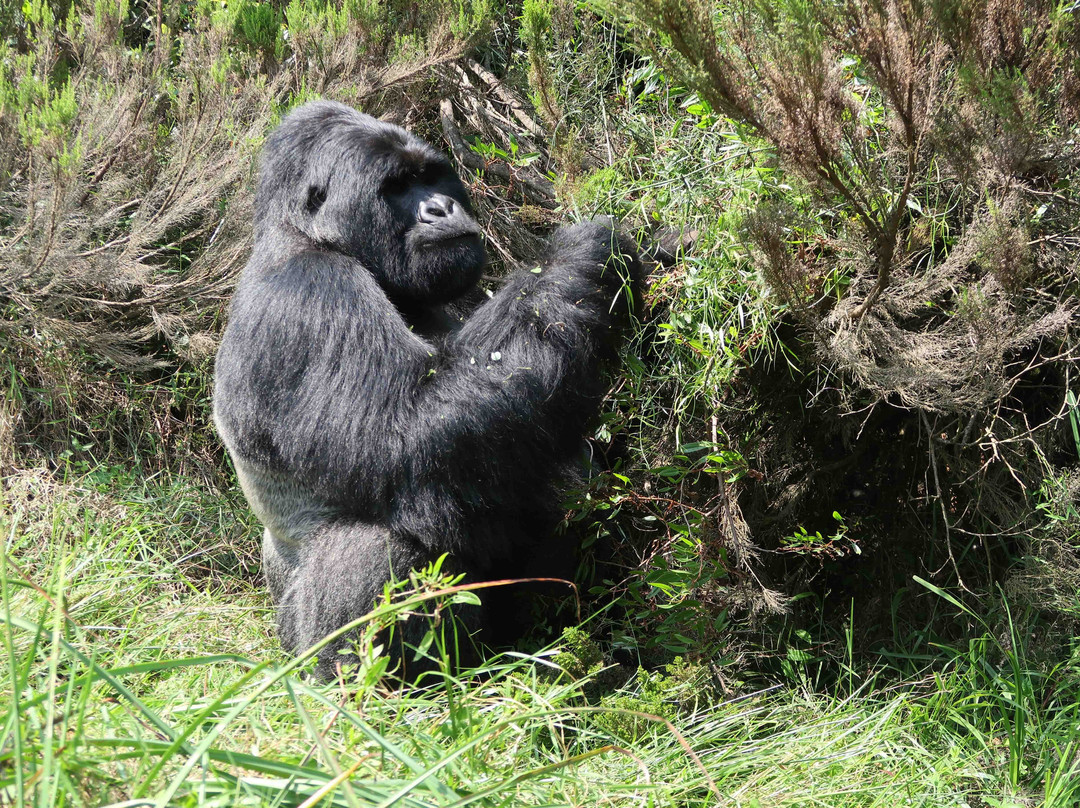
510	398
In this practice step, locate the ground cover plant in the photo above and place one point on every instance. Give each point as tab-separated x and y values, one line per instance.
832	546
137	684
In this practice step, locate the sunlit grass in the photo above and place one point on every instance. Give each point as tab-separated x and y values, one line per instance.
129	680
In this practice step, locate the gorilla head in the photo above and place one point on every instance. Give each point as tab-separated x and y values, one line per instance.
374	192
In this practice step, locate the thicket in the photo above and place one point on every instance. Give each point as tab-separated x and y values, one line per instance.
128	133
914	409
862	366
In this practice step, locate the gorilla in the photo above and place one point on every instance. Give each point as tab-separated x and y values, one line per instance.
370	429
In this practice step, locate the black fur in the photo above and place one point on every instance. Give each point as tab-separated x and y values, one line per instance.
369	435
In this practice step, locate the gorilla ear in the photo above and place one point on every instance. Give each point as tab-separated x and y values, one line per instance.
316	196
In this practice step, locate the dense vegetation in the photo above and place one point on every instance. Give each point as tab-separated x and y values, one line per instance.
830	518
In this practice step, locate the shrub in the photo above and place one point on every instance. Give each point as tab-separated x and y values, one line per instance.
581	656
127	148
913	226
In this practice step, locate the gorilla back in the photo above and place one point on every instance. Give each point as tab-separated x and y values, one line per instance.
372	433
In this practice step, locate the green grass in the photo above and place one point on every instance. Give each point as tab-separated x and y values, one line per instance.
138	674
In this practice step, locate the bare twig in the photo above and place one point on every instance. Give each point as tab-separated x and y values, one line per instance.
535	191
941	502
503	94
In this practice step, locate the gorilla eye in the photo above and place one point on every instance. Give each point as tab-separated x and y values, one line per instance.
435	173
315	198
396	184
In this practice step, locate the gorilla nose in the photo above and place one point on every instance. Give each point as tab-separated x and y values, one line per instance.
436	208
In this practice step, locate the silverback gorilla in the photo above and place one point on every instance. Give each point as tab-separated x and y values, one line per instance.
370	430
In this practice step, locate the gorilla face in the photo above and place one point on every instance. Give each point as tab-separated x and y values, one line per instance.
440	254
371	190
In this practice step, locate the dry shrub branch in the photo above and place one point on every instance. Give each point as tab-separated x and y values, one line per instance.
126	162
932	154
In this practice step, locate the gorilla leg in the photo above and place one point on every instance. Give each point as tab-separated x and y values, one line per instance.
338	575
540	551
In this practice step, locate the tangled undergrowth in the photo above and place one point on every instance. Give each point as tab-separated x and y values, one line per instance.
918	236
858	364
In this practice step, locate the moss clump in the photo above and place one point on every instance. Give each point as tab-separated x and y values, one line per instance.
661	694
581	656
600	191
